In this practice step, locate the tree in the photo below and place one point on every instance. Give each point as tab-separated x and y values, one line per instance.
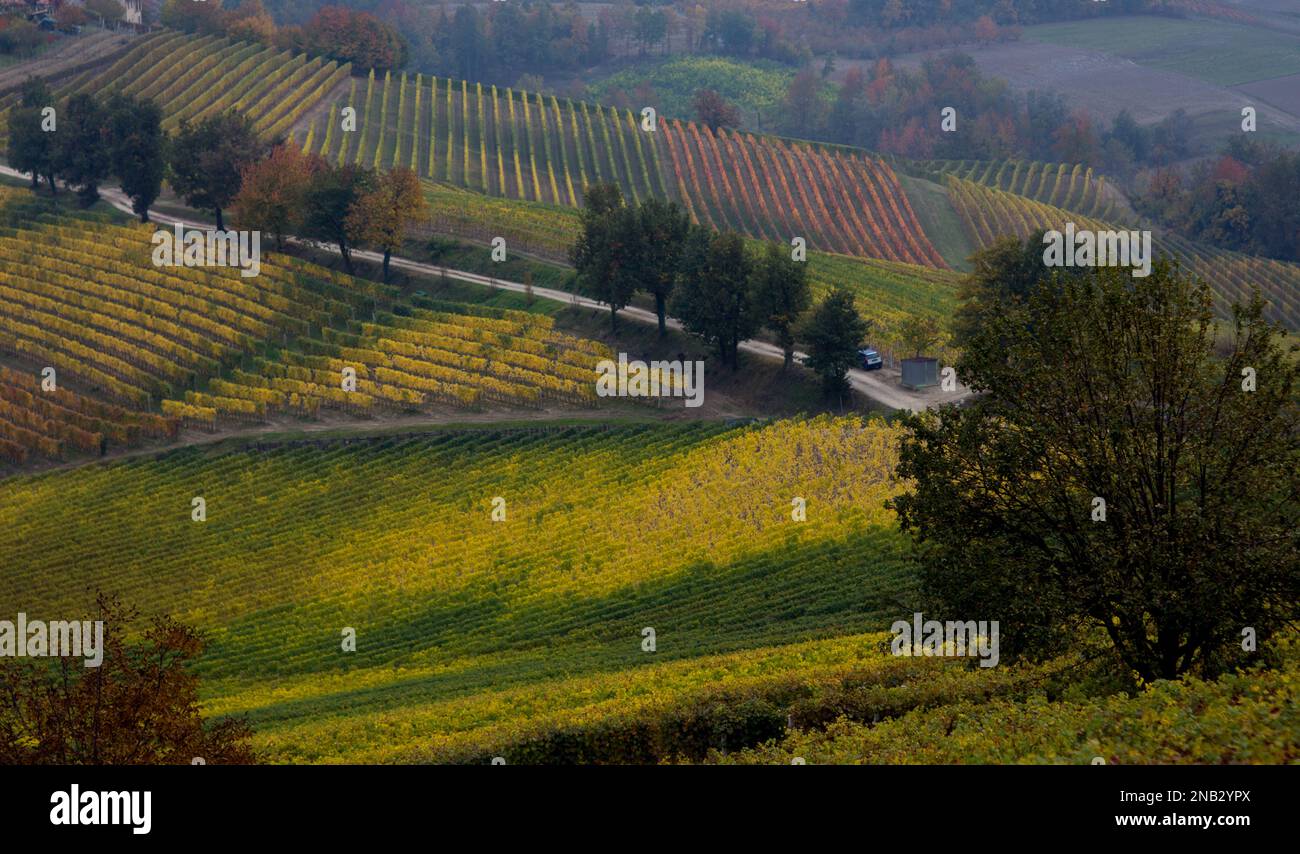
140	706
1006	271
356	37
605	252
333	192
662	233
803	104
986	30
834	332
382	216
208	159
68	16
651	27
30	147
1075	141
273	191
712	110
205	17
918	334
137	150
713	297
251	21
1114	473
781	295
81	153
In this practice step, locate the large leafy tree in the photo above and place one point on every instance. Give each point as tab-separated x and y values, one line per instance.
606	252
834	332
356	37
662	234
1003	273
1107	388
330	198
713	111
208	159
382	216
137	150
81	146
781	295
273	191
31	148
714	298
140	706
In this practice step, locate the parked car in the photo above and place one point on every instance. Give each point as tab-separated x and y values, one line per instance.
871	360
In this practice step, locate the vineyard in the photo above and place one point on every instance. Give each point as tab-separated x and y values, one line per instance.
989	214
502	142
193	78
458	617
1072	187
546	231
81	295
526	146
773	189
457	355
1248	718
887	292
59	423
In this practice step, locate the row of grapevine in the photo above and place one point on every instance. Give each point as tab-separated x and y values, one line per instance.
1073	187
773	189
54	422
989	214
194	77
82	295
501	142
394	535
458	355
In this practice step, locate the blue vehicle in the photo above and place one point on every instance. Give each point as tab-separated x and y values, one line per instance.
871	360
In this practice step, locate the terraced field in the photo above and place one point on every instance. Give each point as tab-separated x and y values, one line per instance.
1062	185
766	187
459	618
457	355
81	294
58	423
195	77
990	214
502	142
530	147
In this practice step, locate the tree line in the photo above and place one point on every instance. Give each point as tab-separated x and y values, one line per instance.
721	290
336	32
218	165
1247	199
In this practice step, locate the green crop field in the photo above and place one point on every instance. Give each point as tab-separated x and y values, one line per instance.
757	88
1214	51
193	78
456	614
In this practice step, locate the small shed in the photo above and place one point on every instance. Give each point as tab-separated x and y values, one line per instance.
920	373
